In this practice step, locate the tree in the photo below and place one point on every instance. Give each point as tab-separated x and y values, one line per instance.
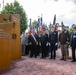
35	22
49	28
16	8
73	25
71	29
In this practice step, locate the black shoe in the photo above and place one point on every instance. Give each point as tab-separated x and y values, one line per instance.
50	58
30	57
41	57
73	61
44	57
62	59
36	57
23	55
54	58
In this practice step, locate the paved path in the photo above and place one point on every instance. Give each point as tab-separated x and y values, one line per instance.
37	66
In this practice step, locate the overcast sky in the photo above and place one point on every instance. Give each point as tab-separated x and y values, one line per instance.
65	10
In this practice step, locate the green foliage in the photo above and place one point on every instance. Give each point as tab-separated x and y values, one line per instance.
70	30
73	25
15	8
35	23
49	28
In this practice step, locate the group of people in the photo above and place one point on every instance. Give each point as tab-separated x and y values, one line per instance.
43	42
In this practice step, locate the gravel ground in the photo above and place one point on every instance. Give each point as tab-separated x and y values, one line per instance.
37	66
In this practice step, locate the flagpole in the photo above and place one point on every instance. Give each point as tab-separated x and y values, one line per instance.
62	23
50	27
30	23
3	4
54	21
38	22
41	20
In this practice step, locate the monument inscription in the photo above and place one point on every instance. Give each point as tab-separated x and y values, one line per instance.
4	34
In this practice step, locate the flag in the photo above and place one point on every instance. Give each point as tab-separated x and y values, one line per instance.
46	27
41	20
62	23
34	28
30	25
54	21
39	24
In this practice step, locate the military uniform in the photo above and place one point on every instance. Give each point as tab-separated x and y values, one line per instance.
64	40
53	40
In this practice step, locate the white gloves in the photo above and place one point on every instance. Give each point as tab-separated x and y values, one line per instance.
56	44
30	43
47	44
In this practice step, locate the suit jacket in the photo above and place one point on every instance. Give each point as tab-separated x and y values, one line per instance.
44	38
64	37
23	40
53	37
31	40
37	37
72	42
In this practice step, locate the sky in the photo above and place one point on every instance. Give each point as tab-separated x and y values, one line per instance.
65	10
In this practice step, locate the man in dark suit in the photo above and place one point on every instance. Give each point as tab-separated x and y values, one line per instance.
53	41
33	44
39	42
73	43
37	45
44	42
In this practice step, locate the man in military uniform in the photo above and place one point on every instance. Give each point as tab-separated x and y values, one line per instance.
63	41
53	41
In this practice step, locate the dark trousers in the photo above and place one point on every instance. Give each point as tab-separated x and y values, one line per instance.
47	50
38	50
27	50
53	51
43	52
73	52
33	51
